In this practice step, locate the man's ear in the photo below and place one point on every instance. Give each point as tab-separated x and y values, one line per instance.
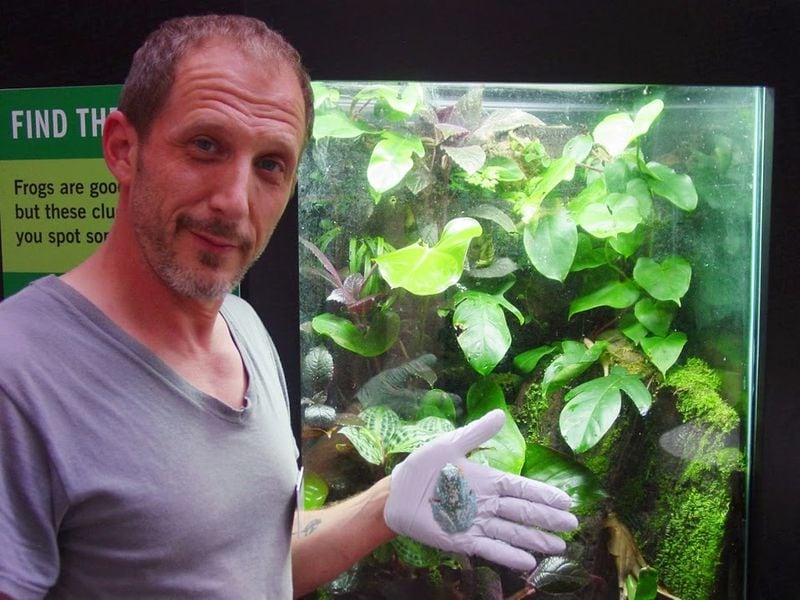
120	143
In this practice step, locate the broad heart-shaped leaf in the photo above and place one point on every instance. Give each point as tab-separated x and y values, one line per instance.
656	316
663	352
336	124
614	214
424	270
592	407
551	241
574	359
551	467
675	187
617	294
382	421
561	169
587	256
527	361
506	450
503	168
668	280
377	339
484	336
396	387
617	131
469	158
392	159
403	100
315	490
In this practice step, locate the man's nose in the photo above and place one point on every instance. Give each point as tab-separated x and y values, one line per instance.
232	190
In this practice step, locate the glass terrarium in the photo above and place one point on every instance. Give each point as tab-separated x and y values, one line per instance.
585	257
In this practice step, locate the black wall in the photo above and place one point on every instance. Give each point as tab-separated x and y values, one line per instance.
754	42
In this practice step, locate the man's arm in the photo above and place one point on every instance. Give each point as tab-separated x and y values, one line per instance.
332	539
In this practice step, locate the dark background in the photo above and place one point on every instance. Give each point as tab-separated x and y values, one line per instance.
58	43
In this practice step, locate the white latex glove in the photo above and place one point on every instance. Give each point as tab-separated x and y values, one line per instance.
512	511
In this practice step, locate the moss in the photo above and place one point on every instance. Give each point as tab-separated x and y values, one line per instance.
530	416
693	510
602	457
698	390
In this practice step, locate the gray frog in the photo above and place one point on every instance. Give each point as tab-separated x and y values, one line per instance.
453	503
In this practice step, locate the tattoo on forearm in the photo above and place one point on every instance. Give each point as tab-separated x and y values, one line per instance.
310	527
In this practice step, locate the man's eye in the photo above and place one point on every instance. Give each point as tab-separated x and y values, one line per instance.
205	144
268	164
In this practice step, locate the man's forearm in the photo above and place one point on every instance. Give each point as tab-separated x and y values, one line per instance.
332	539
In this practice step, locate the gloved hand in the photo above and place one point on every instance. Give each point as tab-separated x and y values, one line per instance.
512	511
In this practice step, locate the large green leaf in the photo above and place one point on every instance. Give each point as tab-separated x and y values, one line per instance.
438	403
392	159
324	96
382	421
403	101
574	359
551	467
668	280
592	407
664	352
675	187
617	294
336	124
424	270
397	388
578	148
492	213
506	450
613	215
587	256
551	241
617	131
375	340
412	436
484	335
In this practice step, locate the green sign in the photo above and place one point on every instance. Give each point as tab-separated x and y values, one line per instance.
57	198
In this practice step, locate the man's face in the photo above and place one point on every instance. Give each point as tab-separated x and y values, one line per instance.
217	169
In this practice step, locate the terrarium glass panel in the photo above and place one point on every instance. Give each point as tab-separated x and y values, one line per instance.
586	258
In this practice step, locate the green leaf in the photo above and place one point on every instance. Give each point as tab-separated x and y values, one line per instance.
668	280
645	587
324	96
492	213
503	168
424	270
551	467
675	187
656	316
578	148
664	352
415	554
527	361
574	359
437	403
392	159
484	335
315	490
557	575
627	244
469	158
317	368
397	389
617	131
506	450
616	174
617	294
551	242
336	124
592	407
586	255
382	421
614	214
375	340
561	169
366	442
591	410
403	101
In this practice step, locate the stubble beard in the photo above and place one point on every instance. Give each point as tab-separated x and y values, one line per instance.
204	281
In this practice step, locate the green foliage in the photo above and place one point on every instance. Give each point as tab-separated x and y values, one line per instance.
698	388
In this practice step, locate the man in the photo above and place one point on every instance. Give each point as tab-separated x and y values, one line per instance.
146	446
